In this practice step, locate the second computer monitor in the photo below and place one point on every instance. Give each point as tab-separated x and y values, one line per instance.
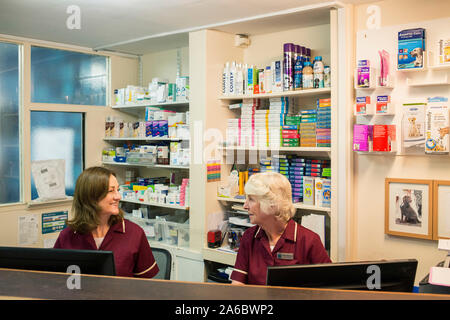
385	275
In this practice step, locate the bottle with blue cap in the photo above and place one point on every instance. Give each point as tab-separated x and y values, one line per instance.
318	72
307	76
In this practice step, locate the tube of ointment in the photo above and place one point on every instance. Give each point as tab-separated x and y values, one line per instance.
384	67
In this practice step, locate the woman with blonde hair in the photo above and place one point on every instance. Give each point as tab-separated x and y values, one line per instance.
98	224
276	239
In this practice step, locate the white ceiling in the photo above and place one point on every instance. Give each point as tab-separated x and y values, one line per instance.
131	25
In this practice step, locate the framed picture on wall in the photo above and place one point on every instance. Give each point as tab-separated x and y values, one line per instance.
441	209
408	208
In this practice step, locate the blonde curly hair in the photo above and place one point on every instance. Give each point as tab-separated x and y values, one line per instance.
273	191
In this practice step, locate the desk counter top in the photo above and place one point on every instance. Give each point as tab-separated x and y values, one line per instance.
49	285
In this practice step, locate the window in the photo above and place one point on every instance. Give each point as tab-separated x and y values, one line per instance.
10	175
58	135
67	77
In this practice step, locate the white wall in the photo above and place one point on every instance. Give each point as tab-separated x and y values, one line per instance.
369	239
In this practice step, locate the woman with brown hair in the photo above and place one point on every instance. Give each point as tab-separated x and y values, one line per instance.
98	224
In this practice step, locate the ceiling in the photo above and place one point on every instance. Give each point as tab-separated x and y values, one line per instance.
142	26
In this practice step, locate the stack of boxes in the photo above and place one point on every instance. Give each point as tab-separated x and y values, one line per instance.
261	130
323	126
308	128
266	165
296	173
233	134
247	122
278	110
290	136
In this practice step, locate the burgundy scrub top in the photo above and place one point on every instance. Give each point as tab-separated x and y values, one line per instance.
297	245
132	254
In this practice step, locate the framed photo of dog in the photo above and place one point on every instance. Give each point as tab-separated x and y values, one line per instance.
441	209
408	208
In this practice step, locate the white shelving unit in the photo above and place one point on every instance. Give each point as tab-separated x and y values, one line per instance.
265	45
298	205
144	139
138	110
298	93
157	204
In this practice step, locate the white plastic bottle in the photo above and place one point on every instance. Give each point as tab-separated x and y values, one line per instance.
239	80
245	73
225	79
318	72
307	76
226	72
233	78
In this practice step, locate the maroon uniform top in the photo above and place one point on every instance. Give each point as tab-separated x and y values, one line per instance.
297	245
132	254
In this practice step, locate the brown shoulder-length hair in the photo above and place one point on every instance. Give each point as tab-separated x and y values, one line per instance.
91	187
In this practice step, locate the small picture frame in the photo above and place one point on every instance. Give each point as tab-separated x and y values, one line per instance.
441	209
408	208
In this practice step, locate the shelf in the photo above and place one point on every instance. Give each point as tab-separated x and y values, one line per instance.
411	83
219	255
156	204
312	151
145	139
231	200
165	166
440	67
150	104
304	93
297	205
41	203
385	153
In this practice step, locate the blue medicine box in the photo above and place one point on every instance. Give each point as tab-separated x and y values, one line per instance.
411	48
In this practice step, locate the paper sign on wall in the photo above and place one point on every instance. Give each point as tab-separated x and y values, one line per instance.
28	230
54	221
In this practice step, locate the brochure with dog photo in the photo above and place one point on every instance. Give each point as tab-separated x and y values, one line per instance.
413	128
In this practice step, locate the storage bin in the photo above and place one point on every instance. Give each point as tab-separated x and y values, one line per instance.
150	229
141	158
171	233
183	235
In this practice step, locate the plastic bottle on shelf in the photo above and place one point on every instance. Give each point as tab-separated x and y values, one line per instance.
225	79
318	72
327	77
298	70
245	83
232	81
288	72
239	80
308	76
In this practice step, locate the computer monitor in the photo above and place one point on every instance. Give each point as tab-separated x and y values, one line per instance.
58	260
384	275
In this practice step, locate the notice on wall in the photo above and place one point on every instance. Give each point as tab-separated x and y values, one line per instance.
54	221
28	230
49	243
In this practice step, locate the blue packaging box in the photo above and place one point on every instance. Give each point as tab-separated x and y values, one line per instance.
411	48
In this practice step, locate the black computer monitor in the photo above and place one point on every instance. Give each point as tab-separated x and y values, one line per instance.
58	260
388	275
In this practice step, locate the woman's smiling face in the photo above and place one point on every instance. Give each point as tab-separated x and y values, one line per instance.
109	205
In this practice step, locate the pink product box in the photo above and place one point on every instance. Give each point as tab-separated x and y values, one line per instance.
362	135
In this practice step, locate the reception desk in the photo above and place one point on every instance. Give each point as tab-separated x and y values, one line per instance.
48	285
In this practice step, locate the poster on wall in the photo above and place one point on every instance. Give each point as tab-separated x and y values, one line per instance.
54	221
408	208
28	226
